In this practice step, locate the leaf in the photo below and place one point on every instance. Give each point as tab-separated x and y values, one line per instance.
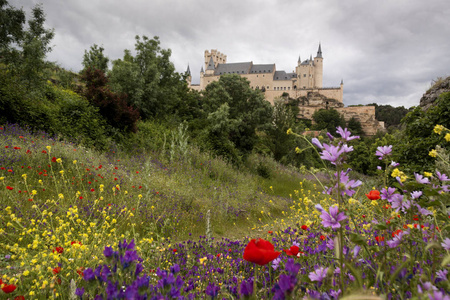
380	227
446	260
358	239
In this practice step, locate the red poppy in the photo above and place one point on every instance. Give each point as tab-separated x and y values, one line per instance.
9	288
260	252
293	251
379	238
322	237
76	242
373	195
58	250
174	250
56	270
80	271
9	187
364	216
270	232
19	298
397	232
304	227
43	151
53	159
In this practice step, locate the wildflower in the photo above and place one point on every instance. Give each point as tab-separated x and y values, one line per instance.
421	179
373	195
442	177
446	244
260	252
79	292
438	129
441	275
8	288
247	287
9	188
59	160
332	219
53	159
304	227
318	274
383	151
345	134
427	174
416	194
387	194
433	153
212	290
293	251
317	143
289	131
58	250
447	137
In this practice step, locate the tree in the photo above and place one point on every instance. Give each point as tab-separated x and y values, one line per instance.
113	107
328	119
355	126
11	30
94	58
248	109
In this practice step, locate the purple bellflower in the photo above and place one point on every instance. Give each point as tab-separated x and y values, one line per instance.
383	151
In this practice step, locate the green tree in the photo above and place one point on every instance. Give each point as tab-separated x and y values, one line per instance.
354	126
11	29
328	119
94	58
248	109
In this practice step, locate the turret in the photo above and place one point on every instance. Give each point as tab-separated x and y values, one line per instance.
210	67
318	68
188	75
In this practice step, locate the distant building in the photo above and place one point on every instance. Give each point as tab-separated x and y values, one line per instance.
305	83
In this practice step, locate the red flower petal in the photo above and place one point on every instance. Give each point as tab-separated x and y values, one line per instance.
260	252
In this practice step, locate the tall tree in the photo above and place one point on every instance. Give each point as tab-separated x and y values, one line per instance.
95	59
11	29
328	119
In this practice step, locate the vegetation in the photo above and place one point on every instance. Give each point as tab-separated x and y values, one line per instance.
119	182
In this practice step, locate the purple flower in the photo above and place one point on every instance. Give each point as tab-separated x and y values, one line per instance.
212	290
421	179
438	295
318	274
446	243
332	219
395	242
88	274
108	252
356	251
423	211
398	203
247	287
345	134
441	275
416	194
347	185
442	177
383	150
292	268
79	292
317	143
319	207
387	194
275	263
394	164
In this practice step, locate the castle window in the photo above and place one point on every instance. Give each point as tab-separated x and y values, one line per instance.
267	87
284	88
263	75
304	75
289	88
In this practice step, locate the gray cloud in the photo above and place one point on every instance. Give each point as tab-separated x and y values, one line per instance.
386	51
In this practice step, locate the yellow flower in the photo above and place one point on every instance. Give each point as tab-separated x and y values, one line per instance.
33	192
59	160
75	162
438	129
447	137
49	148
24	176
427	174
61	172
1	178
202	260
298	150
289	131
60	196
433	153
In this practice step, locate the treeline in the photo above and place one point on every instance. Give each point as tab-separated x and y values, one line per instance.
141	102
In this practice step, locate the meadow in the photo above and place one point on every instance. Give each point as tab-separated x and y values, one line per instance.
79	224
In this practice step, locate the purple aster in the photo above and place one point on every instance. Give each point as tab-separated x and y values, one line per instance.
318	274
345	134
347	185
331	153
446	244
212	290
383	150
416	194
421	179
108	252
332	219
442	177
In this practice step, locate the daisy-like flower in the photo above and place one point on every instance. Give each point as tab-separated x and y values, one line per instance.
318	274
421	179
383	151
446	244
345	134
333	218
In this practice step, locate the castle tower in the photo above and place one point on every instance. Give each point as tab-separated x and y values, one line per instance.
210	67
188	75
318	69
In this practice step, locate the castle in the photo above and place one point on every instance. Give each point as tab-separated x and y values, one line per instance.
305	84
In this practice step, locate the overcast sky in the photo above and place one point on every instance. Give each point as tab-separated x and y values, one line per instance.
386	51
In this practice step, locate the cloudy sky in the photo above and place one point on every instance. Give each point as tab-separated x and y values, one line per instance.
386	51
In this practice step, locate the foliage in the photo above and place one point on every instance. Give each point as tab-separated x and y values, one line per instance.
235	113
355	126
391	116
95	59
328	119
417	139
113	107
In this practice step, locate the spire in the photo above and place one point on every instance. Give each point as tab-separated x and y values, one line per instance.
188	71
201	71
310	57
210	64
342	81
299	60
319	52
